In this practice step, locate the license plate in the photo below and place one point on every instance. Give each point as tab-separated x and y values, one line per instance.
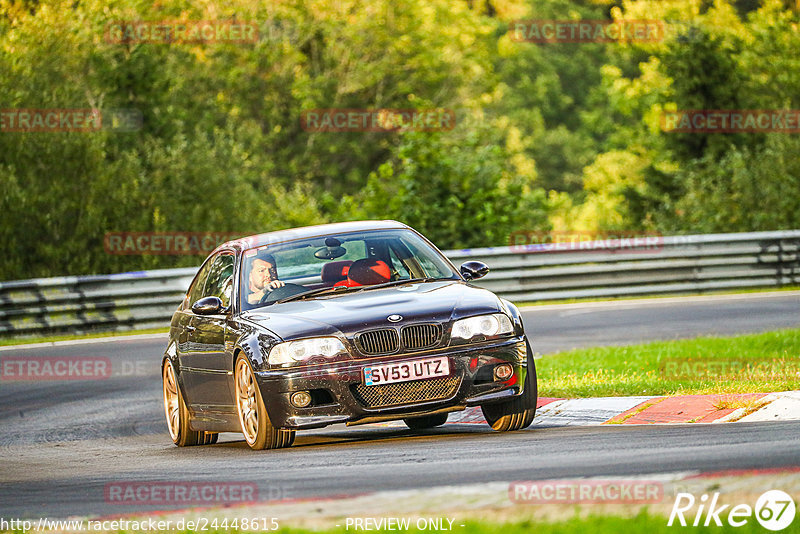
404	371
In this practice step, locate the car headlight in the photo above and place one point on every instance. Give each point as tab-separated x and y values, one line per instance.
493	325
304	349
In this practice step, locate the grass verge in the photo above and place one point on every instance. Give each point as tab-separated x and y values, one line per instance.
708	365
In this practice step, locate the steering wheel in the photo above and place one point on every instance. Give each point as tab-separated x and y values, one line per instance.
281	293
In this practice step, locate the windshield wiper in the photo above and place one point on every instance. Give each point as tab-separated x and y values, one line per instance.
313	293
406	281
344	289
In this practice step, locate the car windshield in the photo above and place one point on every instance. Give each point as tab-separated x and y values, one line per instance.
337	263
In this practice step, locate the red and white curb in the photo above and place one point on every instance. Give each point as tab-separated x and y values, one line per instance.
717	408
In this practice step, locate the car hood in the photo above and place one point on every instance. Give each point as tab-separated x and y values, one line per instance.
353	312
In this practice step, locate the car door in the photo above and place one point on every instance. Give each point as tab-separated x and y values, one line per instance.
205	362
182	325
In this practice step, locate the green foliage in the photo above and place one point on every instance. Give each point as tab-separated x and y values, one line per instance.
464	194
746	189
563	135
721	182
221	147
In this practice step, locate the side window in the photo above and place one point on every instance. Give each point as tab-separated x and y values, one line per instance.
196	290
220	279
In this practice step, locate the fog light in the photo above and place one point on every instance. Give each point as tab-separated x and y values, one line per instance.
503	371
301	399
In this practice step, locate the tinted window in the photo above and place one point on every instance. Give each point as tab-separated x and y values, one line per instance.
220	279
196	290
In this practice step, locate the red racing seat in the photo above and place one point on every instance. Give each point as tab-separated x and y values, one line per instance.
366	272
335	271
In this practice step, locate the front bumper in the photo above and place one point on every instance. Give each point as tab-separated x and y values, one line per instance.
341	397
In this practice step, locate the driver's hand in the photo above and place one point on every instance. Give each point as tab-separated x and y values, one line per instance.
275	284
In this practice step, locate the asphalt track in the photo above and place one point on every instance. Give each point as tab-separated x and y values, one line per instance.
62	442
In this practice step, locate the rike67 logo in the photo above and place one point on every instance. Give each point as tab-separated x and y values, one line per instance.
774	510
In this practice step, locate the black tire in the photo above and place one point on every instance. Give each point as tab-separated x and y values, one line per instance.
176	412
253	418
517	413
426	421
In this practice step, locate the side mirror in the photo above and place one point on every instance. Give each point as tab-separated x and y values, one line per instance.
207	306
472	270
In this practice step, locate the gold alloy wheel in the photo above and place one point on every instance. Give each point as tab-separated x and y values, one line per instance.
171	402
246	401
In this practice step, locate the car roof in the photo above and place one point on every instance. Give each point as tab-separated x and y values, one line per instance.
305	232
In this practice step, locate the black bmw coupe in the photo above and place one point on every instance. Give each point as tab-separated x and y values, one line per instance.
343	323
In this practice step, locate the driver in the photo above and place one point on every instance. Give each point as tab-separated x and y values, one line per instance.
263	278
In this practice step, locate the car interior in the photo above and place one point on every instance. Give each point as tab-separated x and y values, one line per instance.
382	263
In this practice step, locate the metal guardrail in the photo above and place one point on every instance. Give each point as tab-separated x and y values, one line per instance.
667	265
77	304
522	273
